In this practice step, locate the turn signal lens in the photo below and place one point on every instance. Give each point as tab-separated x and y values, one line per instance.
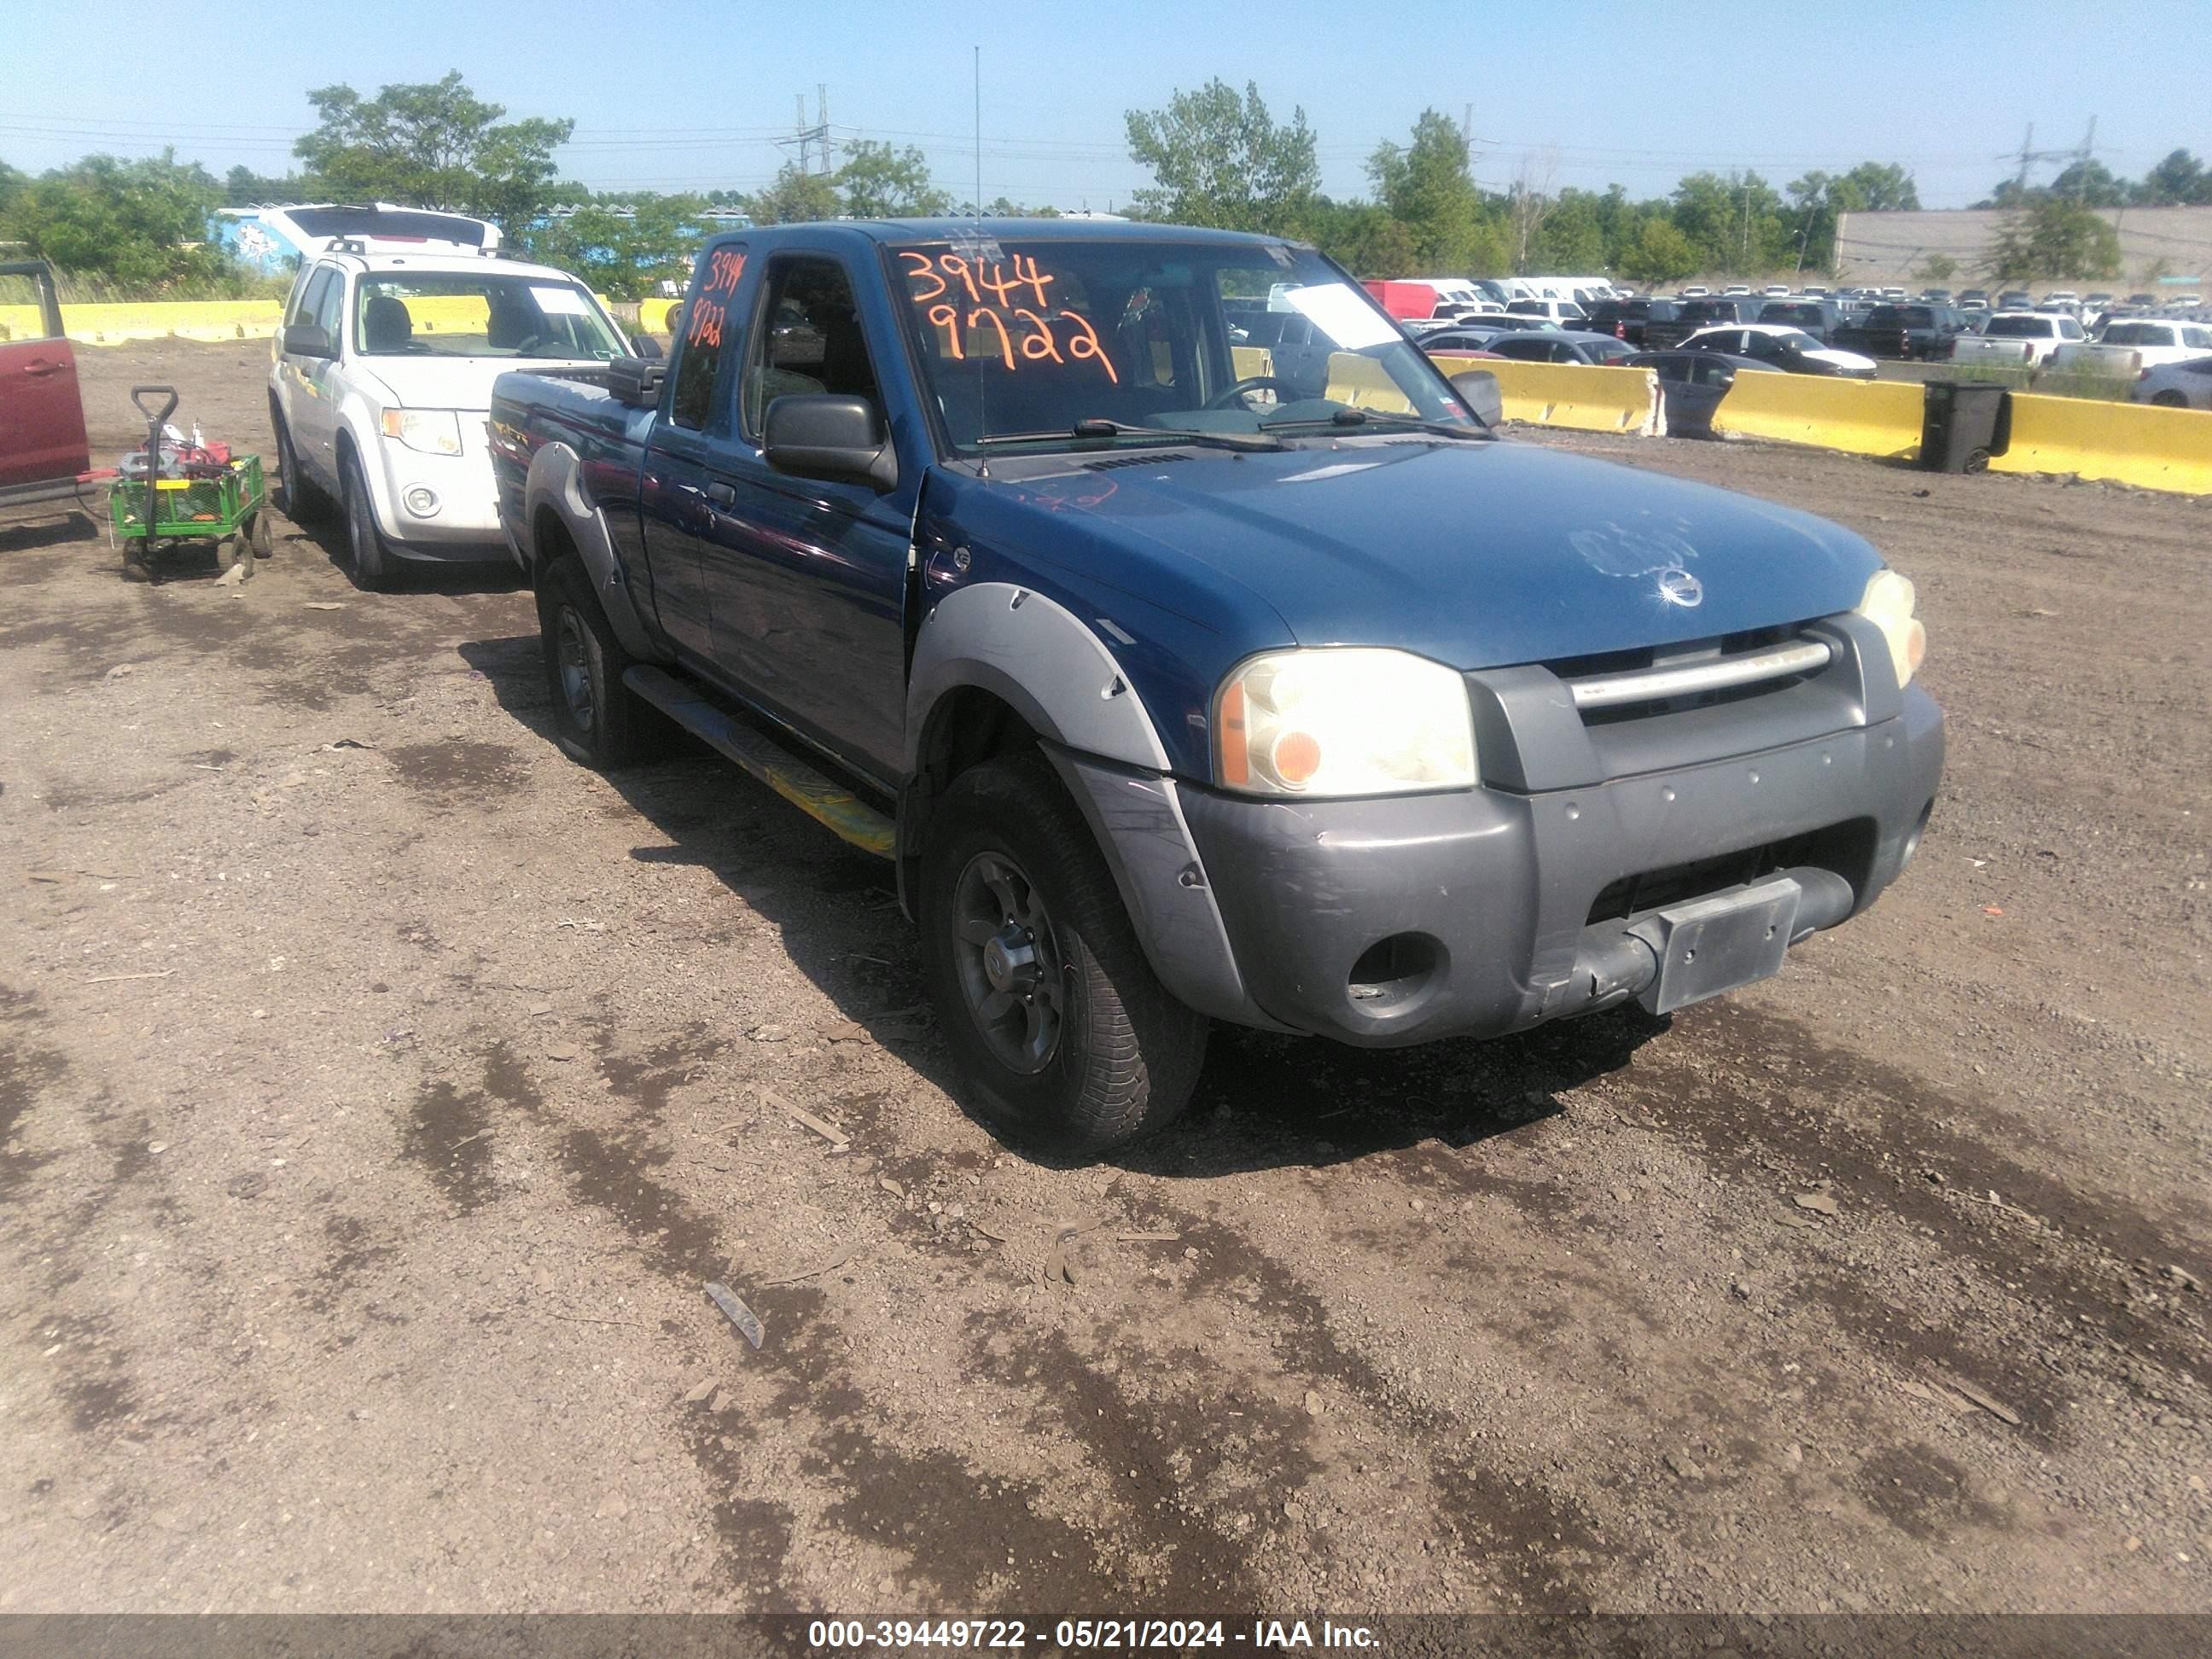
431	431
1888	605
1352	722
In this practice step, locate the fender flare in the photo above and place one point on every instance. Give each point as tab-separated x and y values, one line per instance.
1039	658
556	483
1055	672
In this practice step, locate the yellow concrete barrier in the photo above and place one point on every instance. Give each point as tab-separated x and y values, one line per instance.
1570	394
113	323
2128	443
652	314
1863	417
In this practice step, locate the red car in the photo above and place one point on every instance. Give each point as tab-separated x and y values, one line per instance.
43	455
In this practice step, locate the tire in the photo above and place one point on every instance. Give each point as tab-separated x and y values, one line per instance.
365	555
597	721
1098	1053
2169	400
303	502
264	540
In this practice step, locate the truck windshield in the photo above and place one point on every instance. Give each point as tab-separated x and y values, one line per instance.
1023	340
467	314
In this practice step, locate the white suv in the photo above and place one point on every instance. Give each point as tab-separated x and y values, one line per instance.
381	384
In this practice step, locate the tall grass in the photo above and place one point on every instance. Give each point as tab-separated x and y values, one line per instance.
2047	383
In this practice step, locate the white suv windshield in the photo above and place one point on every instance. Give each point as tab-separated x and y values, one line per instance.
1022	341
472	314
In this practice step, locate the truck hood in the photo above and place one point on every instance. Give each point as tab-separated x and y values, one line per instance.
1476	555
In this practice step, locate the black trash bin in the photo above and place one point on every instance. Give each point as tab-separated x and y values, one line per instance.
1962	424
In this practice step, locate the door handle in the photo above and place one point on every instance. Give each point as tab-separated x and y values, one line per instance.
40	371
721	493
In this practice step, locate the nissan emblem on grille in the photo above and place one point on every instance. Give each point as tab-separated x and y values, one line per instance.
1678	586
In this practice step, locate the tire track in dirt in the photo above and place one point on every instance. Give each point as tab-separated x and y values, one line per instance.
2081	1261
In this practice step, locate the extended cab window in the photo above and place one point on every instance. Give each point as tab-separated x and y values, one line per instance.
710	340
807	340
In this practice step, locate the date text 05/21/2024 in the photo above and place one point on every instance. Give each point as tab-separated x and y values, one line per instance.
1087	1635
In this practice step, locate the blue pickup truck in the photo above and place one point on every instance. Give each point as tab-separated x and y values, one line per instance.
1185	680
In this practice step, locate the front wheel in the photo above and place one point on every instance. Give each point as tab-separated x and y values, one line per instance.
1062	1031
365	549
2169	400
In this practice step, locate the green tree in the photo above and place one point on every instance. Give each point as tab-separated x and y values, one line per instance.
2092	183
1425	186
880	182
1737	224
2054	236
1362	237
1219	160
142	224
1571	238
244	187
2180	180
1938	268
434	144
794	197
1661	253
623	247
1822	199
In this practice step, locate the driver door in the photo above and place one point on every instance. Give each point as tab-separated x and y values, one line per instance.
314	403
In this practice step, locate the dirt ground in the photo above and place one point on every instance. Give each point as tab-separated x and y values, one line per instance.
377	1089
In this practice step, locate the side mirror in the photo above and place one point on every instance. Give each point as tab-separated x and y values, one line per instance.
645	345
306	340
1478	390
822	436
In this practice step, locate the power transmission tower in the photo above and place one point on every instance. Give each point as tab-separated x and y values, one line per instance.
2027	155
810	140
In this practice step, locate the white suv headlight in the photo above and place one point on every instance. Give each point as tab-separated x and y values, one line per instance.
1342	722
1889	605
433	431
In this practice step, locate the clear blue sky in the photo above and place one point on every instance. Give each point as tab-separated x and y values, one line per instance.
690	97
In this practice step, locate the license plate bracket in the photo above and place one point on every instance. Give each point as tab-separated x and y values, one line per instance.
1718	944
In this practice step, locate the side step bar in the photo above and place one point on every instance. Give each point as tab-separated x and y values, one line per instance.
844	813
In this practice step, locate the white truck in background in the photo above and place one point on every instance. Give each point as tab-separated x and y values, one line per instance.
2017	336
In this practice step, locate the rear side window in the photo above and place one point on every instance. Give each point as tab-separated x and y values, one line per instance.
708	346
307	299
330	306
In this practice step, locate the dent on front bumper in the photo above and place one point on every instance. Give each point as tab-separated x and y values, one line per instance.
1402	920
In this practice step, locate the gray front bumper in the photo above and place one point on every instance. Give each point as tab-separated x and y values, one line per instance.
1257	911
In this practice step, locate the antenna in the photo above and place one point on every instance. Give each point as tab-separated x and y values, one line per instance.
979	132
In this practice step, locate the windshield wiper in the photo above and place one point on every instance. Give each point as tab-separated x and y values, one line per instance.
1096	427
1348	417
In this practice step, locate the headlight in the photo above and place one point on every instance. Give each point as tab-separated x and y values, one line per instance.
1889	605
1342	722
433	431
